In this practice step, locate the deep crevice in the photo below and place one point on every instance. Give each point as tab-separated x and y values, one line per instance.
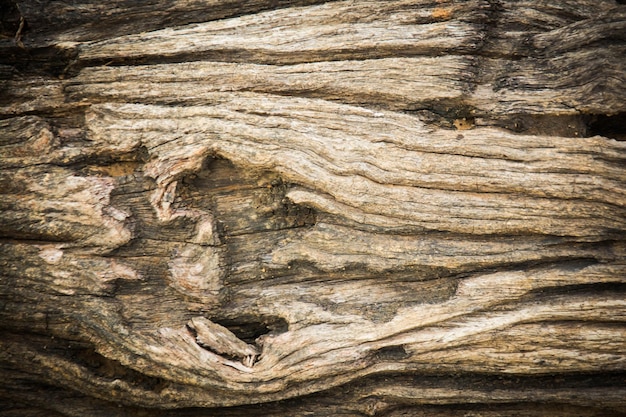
613	126
266	58
249	329
578	289
51	60
10	19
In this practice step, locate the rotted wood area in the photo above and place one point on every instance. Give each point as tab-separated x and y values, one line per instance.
356	208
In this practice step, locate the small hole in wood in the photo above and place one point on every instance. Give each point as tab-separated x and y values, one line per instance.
391	353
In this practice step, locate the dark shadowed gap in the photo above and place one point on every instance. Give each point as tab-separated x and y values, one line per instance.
609	126
249	329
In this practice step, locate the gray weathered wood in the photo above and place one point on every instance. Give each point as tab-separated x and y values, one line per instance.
328	208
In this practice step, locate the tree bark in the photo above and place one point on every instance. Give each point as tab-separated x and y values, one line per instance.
313	208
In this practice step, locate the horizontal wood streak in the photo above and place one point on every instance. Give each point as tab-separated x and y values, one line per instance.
373	172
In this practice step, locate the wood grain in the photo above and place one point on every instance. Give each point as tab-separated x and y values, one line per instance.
313	208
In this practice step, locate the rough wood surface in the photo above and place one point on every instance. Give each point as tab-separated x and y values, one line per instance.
313	208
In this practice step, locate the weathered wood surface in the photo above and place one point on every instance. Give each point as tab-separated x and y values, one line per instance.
353	208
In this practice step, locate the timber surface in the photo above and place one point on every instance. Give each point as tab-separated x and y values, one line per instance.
357	208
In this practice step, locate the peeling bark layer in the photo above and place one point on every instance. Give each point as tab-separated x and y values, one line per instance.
313	208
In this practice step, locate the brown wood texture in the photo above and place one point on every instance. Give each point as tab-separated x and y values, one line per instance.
356	208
